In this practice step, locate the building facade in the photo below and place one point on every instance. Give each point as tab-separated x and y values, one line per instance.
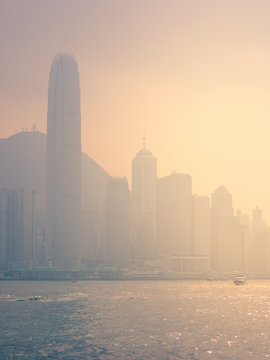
118	234
229	237
63	163
144	174
18	228
175	215
201	225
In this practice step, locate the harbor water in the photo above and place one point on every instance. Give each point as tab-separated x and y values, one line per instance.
134	320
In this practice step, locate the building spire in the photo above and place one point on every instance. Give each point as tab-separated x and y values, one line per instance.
144	142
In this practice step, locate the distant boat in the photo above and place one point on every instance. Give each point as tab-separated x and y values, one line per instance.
239	280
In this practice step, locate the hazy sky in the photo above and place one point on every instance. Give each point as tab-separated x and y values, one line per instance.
193	76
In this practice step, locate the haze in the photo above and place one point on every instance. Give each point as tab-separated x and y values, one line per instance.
192	76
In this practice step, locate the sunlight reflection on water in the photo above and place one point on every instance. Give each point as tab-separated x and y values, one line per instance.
134	320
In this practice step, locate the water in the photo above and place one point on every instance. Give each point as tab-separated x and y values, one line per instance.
134	320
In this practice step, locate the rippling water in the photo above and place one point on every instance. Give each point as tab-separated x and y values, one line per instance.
134	320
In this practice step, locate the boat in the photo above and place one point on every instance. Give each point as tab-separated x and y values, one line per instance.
239	280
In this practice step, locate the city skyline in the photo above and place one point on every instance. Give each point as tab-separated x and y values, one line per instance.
134	179
193	79
129	182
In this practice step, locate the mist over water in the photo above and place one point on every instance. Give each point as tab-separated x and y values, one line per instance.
134	320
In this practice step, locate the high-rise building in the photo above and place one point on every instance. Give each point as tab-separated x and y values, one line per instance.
63	162
18	227
117	239
259	256
144	174
221	221
182	225
175	214
257	223
243	218
201	225
229	238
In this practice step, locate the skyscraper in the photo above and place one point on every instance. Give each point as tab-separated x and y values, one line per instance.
117	210
144	174
257	223
228	236
63	162
175	214
259	243
18	227
201	225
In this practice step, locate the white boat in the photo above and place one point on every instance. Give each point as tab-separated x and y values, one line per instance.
239	280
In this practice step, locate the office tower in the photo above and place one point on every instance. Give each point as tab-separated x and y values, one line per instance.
221	221
117	239
228	237
144	174
18	227
243	218
222	205
63	162
95	182
201	225
175	215
257	223
259	244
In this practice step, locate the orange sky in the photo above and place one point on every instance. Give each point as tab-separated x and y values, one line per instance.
193	76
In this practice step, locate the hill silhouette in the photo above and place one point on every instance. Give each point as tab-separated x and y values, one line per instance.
23	164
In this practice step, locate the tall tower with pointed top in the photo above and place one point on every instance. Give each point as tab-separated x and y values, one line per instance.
144	176
63	162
